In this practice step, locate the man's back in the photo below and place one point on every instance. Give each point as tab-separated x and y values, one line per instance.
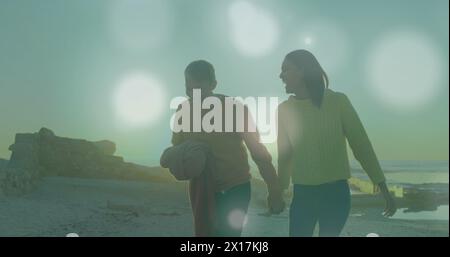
228	148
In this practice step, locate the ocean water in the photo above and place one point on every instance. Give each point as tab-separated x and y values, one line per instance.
411	172
399	172
442	213
415	173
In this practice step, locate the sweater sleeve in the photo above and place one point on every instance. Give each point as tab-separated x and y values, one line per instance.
359	141
284	153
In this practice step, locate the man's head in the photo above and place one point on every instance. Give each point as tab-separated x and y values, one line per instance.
200	75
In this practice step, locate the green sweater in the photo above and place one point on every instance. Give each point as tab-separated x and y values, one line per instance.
312	146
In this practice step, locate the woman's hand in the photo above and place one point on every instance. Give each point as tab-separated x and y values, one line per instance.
275	203
391	206
275	200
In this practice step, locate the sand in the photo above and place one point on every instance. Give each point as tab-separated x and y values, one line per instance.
100	207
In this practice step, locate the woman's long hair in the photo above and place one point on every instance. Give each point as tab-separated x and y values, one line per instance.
315	78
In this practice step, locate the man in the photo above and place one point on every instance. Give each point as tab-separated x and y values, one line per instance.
231	175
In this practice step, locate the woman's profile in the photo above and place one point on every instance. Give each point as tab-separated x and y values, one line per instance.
314	125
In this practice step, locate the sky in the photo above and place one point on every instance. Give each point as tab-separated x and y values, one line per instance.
98	69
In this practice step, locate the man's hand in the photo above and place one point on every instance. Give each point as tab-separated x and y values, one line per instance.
275	203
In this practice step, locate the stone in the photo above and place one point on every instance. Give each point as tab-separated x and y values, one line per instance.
106	147
45	132
16	181
3	163
44	154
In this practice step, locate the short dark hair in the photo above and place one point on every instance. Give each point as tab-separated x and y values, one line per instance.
201	70
316	79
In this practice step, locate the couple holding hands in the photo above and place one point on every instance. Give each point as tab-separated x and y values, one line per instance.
313	128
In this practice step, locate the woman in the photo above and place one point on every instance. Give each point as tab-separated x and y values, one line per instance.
313	126
231	176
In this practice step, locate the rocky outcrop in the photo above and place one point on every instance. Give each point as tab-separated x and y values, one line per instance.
17	180
106	147
44	154
2	179
3	163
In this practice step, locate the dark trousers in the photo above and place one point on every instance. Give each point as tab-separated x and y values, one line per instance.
231	210
327	204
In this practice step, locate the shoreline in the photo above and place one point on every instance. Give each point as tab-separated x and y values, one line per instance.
107	207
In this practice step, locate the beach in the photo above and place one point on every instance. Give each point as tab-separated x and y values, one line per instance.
107	207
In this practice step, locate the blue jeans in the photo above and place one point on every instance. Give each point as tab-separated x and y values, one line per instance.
327	204
231	210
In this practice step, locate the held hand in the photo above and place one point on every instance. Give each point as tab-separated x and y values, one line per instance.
276	204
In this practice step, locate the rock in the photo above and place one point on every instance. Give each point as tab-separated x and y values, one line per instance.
25	152
16	181
106	147
45	132
3	163
45	154
2	181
